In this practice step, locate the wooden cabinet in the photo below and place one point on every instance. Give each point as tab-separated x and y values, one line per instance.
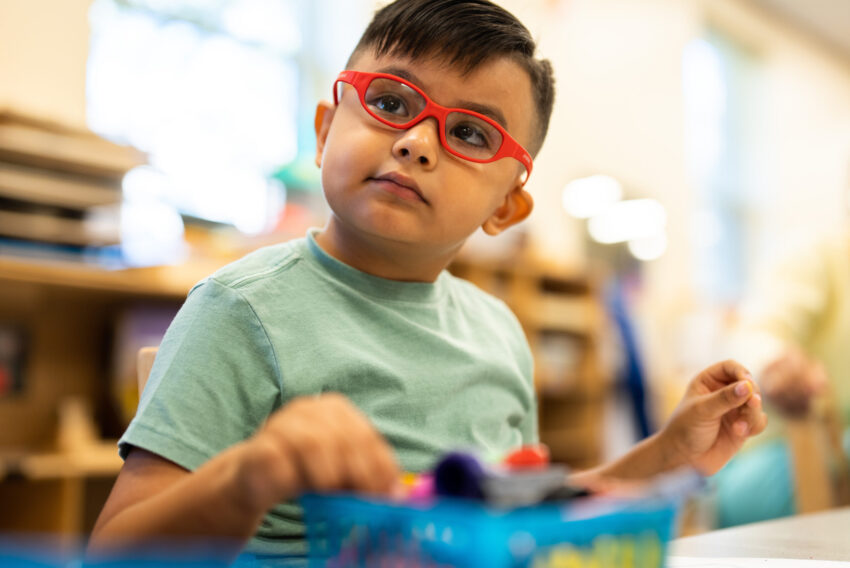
58	456
563	320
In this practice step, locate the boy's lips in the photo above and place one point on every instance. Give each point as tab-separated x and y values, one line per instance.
404	183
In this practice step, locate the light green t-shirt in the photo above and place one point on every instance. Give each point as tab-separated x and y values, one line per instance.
435	366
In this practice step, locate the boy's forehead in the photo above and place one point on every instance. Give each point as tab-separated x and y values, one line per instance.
499	83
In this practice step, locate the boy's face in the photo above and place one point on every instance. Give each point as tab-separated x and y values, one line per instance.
402	185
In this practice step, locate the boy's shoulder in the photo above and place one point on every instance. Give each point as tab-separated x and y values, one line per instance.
258	265
476	298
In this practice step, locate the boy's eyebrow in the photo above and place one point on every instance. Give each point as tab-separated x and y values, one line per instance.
486	110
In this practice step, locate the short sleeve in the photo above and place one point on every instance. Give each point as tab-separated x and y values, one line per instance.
214	381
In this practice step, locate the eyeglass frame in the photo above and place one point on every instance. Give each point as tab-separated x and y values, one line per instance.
509	148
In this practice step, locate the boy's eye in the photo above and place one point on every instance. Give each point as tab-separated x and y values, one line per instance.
388	104
393	101
469	134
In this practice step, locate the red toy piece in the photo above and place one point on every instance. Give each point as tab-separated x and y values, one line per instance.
533	456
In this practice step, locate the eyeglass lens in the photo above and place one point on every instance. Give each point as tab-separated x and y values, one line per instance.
466	134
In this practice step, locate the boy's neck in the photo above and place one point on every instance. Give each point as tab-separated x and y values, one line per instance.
392	260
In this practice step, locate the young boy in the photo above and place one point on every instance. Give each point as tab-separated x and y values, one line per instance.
335	361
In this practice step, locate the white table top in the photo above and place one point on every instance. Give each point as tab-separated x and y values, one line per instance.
821	536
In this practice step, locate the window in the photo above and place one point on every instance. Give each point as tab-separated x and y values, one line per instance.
219	93
719	93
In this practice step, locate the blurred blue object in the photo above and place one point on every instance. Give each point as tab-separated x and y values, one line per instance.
756	485
632	379
345	530
46	551
26	551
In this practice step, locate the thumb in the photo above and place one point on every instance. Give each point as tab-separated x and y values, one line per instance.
720	402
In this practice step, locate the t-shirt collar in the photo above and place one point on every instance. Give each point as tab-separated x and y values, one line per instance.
384	288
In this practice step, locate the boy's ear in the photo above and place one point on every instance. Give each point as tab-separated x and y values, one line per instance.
322	123
516	207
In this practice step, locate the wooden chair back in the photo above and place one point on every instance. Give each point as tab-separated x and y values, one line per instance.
144	364
820	466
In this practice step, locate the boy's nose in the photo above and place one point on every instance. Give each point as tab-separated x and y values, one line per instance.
420	142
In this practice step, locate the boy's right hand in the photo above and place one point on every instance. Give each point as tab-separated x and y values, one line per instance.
318	443
321	443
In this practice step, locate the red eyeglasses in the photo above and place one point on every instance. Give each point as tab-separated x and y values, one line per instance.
467	134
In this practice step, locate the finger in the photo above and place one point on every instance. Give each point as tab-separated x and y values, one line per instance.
728	398
729	371
753	418
370	463
759	424
272	478
317	457
353	438
741	428
723	373
363	460
388	471
755	401
356	470
384	470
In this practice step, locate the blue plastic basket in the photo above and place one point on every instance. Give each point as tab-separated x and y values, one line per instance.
351	531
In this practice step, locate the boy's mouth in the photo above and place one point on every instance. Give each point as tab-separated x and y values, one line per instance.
400	185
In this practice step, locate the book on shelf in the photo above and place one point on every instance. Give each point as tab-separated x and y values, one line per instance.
60	186
105	257
32	141
54	229
12	356
46	187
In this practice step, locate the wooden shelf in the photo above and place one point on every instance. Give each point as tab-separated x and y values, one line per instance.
56	472
572	314
166	282
59	491
100	459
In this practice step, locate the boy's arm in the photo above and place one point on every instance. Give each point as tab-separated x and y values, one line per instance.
721	408
321	443
156	503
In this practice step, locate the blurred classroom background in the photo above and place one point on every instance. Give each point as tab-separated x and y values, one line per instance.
144	143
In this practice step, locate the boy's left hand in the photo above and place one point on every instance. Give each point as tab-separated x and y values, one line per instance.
721	408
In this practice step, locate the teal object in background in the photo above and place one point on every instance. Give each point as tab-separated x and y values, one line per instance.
756	485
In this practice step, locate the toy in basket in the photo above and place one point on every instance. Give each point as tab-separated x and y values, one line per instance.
470	514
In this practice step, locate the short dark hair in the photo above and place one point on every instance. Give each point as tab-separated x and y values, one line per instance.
465	34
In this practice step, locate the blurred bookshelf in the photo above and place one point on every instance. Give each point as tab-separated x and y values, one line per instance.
60	187
60	194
